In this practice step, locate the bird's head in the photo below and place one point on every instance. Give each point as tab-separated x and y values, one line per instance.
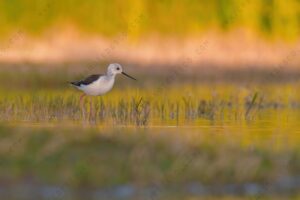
115	68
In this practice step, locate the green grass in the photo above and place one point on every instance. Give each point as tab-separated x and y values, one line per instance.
196	105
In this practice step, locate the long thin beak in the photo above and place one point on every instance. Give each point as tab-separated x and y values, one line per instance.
128	75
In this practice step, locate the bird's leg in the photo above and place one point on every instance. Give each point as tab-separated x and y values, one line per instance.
81	105
92	114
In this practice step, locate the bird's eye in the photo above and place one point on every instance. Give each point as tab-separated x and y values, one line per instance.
118	68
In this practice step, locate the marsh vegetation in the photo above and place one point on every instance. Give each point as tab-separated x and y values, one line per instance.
190	139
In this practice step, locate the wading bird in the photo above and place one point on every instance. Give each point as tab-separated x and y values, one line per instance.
98	84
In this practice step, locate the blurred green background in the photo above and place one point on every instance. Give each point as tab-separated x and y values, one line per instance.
272	18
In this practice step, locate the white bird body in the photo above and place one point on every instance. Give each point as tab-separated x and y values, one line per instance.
98	84
99	87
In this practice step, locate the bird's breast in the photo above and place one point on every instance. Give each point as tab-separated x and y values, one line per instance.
105	85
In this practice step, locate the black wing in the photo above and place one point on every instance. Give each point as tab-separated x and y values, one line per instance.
87	81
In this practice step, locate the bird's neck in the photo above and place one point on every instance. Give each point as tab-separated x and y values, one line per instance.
111	75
